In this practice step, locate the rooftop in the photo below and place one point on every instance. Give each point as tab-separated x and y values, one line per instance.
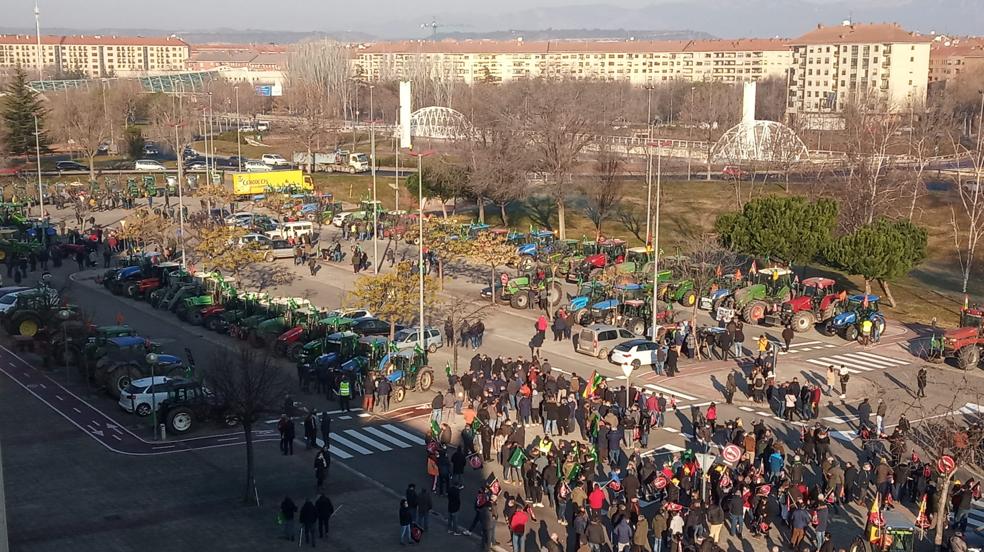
572	46
865	33
957	47
93	40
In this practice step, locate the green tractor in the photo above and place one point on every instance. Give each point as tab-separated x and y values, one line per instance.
293	310
291	341
676	289
638	262
768	288
33	311
635	315
78	343
331	350
517	291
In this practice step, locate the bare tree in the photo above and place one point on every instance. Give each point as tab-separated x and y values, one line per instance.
250	386
633	220
80	117
968	228
871	139
124	98
928	128
461	315
313	109
713	108
604	195
325	65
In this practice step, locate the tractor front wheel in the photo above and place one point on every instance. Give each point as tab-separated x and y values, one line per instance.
195	318
399	394
520	300
688	299
754	312
968	357
851	333
180	420
555	293
803	321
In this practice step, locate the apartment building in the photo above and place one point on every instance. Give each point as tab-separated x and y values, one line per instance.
257	57
880	63
94	56
950	57
638	62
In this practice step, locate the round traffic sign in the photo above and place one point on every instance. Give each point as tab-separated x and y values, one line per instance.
731	453
660	482
946	464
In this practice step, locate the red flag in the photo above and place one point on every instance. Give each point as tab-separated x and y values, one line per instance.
864	302
717	271
754	268
738	274
966	304
842	296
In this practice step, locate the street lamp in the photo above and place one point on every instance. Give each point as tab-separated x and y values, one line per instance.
420	248
152	359
37	147
64	315
375	208
649	161
239	140
181	216
659	180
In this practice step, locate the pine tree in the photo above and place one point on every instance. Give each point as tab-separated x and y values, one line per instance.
20	106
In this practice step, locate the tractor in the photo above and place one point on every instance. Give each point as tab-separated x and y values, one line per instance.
152	278
33	311
536	244
638	262
610	252
674	289
588	294
295	310
122	279
814	303
188	403
769	286
858	309
517	291
964	343
635	315
407	370
291	341
330	350
78	343
123	359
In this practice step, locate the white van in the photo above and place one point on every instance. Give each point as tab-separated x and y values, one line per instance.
340	218
292	230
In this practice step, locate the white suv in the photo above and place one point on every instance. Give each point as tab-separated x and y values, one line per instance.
143	395
274	160
256	166
637	352
148	165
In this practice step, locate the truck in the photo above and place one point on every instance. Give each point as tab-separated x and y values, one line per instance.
339	161
251	184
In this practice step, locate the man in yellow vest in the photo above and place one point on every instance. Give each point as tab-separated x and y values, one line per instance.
344	393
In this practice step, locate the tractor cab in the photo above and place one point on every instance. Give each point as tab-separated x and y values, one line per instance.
332	349
603	312
972	317
858	309
813	301
536	242
588	293
638	260
635	315
373	348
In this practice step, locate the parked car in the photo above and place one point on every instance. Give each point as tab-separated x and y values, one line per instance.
280	249
8	301
70	166
637	352
143	395
407	338
148	165
151	150
354	314
256	166
372	326
274	160
340	218
262	240
598	339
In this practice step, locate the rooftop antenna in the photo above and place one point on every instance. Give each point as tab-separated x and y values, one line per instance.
37	27
433	25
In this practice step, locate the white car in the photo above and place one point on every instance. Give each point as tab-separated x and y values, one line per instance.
256	166
144	394
407	338
148	165
340	218
262	240
274	160
637	352
8	301
354	314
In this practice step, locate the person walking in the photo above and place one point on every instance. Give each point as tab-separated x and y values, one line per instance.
921	383
322	461
831	379
325	427
730	388
437	407
424	507
287	433
310	431
845	376
880	412
287	511
405	520
763	345
454	506
325	510
787	336
308	519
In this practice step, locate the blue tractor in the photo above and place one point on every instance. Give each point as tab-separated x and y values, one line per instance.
858	309
537	243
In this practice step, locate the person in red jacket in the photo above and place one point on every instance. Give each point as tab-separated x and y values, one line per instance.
596	499
712	416
517	528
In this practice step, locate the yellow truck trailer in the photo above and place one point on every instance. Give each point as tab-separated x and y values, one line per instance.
255	183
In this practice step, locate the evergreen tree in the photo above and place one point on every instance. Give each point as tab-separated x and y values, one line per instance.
789	229
20	106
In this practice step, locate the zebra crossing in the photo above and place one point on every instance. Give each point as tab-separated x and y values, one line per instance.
800	347
858	361
975	518
363	441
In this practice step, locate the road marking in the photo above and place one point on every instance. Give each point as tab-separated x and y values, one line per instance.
746	408
658	388
228	438
820	362
118	438
671	430
42	386
76	410
59	397
843	435
159	447
364	415
371	442
413	438
12	365
386	437
345	417
340	453
765	414
349	444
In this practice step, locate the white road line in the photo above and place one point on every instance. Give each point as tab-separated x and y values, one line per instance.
746	408
883	359
42	386
702	404
406	434
804	343
76	410
349	444
340	453
851	361
671	430
12	365
683	396
386	437
820	362
59	397
118	438
371	442
765	414
364	415
345	417
228	439
159	447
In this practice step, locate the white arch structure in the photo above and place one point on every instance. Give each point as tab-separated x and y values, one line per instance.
766	141
442	123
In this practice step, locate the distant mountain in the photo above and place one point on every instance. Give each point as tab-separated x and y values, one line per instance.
576	34
257	36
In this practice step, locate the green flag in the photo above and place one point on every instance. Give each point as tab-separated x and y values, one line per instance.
574	473
476	424
593	428
447	368
593	453
435	429
516	459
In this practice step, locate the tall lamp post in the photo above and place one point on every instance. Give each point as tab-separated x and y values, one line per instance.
152	362
37	148
627	371
420	248
372	166
659	179
181	216
239	140
649	161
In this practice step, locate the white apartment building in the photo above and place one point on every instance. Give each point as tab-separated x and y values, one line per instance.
638	62
834	66
94	56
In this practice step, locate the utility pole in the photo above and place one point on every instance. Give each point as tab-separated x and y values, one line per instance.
239	140
37	147
375	208
659	180
37	28
649	162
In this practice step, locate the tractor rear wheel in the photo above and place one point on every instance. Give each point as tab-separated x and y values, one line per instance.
120	378
180	420
968	357
555	293
195	318
754	312
133	291
526	263
294	351
636	326
425	380
27	324
803	321
580	316
688	299
212	323
520	300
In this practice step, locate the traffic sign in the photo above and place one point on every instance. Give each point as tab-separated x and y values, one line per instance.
946	464
660	482
731	454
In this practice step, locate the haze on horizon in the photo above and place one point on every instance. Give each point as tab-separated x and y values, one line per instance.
402	19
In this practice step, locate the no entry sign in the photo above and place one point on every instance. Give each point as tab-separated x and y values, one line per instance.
946	464
731	453
660	482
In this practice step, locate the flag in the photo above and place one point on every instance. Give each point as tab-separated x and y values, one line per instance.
615	484
492	482
875	519
754	268
592	387
922	520
476	424
864	302
593	425
435	429
517	457
738	274
593	453
717	271
447	368
574	472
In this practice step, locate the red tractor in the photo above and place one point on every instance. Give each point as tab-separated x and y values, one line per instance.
610	252
965	343
814	301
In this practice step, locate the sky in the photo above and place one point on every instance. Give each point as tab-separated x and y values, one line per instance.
403	18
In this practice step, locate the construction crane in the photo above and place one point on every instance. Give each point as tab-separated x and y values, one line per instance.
434	25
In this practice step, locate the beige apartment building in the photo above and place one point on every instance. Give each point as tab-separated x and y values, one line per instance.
94	56
951	57
880	63
638	62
